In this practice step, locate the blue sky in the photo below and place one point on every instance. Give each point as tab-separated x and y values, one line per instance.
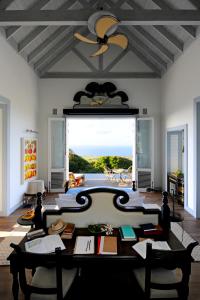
101	131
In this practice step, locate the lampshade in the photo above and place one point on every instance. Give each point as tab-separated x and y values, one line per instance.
35	186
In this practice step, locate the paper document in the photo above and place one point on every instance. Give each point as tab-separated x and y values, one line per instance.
141	247
45	244
151	206
84	245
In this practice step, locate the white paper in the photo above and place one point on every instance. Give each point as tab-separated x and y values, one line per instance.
45	244
84	245
141	247
151	206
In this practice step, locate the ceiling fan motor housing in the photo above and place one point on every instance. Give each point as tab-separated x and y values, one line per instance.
103	40
94	18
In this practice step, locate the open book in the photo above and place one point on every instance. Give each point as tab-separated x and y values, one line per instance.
141	247
45	244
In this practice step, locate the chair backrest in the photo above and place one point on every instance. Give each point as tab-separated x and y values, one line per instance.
31	261
169	260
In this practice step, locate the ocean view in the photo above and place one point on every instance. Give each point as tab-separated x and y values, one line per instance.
102	150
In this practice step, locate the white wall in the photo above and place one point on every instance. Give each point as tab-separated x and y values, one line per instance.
179	87
59	93
19	85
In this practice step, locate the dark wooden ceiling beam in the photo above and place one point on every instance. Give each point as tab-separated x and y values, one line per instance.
80	17
57	52
145	59
196	3
84	60
169	55
170	37
55	35
5	3
11	30
53	50
165	6
47	42
134	40
30	38
115	61
104	75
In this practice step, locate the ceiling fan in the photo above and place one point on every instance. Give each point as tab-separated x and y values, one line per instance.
103	24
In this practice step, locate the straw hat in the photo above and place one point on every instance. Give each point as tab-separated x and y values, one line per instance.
57	227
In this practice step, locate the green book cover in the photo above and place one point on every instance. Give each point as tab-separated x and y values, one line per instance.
128	232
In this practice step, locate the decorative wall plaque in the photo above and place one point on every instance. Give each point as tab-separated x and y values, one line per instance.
97	95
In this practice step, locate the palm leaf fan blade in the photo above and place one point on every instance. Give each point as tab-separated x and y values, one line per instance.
84	39
119	40
103	25
101	50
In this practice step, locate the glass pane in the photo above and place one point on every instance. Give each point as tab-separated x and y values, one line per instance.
144	144
57	144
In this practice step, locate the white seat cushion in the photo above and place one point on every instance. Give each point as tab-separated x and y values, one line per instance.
158	275
46	278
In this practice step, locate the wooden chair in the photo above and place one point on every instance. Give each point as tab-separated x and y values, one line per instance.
50	281
159	278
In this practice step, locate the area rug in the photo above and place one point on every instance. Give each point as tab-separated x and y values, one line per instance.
14	236
185	239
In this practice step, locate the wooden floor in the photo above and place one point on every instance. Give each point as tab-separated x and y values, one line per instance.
191	225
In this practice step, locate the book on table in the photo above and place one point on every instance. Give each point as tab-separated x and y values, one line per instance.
127	233
141	247
84	245
68	231
45	244
151	229
108	245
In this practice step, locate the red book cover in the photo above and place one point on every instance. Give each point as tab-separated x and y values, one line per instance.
98	244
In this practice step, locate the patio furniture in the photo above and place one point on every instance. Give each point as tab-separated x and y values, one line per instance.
108	173
76	179
118	174
127	174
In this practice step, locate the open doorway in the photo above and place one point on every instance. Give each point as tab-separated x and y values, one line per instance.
101	151
177	163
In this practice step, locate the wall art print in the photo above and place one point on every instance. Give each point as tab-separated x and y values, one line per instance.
29	159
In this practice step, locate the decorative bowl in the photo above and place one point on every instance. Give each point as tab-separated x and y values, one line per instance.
96	228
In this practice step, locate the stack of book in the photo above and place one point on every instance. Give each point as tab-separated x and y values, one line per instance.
127	233
151	229
68	231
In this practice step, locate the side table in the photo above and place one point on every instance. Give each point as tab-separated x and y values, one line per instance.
22	222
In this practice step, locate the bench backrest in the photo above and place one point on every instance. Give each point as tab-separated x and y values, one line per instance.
102	205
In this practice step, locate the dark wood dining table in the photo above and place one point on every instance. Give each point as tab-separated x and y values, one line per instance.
126	257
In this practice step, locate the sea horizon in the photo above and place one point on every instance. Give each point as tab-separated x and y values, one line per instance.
102	150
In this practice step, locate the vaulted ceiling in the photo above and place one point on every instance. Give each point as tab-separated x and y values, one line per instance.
42	32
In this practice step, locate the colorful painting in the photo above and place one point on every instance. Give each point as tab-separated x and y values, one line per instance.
29	159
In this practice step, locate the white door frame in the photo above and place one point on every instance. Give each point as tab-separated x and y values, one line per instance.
5	105
185	132
152	169
196	165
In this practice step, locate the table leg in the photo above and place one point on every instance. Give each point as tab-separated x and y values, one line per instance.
15	285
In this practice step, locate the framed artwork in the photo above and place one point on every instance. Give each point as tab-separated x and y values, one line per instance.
29	148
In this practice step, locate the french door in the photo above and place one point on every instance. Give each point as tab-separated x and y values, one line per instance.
144	153
142	161
56	154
